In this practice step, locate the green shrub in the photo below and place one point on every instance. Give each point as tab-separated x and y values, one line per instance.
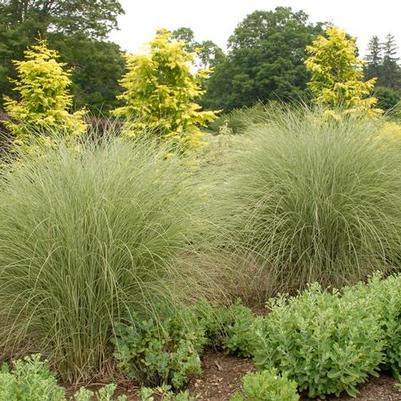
385	297
326	343
387	98
31	379
317	200
267	386
87	237
229	328
160	354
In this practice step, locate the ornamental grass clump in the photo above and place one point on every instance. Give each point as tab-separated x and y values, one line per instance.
317	200
85	239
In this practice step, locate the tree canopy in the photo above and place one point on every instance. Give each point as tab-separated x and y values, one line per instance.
265	60
77	28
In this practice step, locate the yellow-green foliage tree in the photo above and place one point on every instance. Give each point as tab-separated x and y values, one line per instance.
337	75
43	104
161	89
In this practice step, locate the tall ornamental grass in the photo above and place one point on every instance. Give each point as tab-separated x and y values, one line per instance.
316	200
87	237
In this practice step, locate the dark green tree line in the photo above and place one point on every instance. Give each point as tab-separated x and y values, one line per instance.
265	60
382	62
76	28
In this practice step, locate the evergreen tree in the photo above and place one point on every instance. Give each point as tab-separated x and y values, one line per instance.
390	76
374	59
76	28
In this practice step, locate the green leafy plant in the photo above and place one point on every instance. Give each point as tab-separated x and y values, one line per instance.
385	297
229	327
267	385
30	379
315	200
160	354
320	340
88	238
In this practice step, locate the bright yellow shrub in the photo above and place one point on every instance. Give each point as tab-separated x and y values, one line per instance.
43	104
160	92
337	75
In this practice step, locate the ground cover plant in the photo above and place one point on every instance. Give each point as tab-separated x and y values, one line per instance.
267	386
160	353
30	379
89	238
316	200
227	328
320	341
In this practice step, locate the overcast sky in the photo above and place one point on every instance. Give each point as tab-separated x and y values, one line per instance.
216	19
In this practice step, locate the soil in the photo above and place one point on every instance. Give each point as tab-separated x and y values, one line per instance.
222	375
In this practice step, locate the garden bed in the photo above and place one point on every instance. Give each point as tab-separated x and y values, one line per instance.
222	375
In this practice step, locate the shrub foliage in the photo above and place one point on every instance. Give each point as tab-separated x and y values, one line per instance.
320	340
337	74
267	385
165	354
30	379
160	92
44	101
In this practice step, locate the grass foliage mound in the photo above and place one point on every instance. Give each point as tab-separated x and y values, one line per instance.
87	237
317	200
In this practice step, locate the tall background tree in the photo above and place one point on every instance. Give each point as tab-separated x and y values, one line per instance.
382	63
265	60
78	29
390	76
208	53
374	58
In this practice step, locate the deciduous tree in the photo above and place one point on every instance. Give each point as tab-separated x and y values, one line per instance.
76	27
265	60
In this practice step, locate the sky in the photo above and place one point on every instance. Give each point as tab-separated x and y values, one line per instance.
216	19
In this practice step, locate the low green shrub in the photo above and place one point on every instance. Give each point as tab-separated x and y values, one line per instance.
87	237
229	328
316	200
31	380
324	342
160	353
267	385
385	297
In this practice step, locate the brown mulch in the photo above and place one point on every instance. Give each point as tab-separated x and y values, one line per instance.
222	376
382	388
